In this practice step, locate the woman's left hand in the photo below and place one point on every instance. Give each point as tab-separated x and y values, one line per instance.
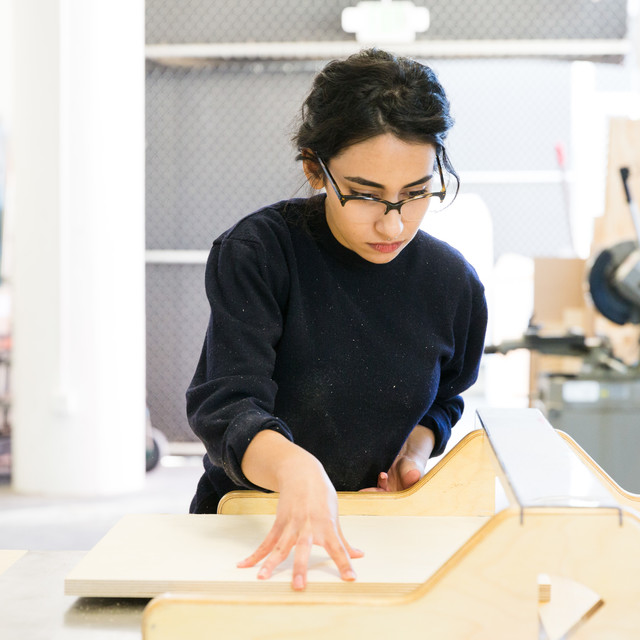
409	465
403	474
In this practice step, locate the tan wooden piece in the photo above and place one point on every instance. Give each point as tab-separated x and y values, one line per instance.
624	151
149	554
574	531
8	557
487	590
625	498
462	483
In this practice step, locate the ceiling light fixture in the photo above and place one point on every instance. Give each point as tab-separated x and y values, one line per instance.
385	21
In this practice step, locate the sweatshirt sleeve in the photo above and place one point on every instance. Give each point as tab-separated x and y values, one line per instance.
461	370
232	395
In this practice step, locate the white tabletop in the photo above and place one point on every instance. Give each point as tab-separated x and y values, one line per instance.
33	605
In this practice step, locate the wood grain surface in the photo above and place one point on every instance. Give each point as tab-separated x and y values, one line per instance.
146	555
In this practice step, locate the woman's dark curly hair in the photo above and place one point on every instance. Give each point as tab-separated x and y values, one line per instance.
368	94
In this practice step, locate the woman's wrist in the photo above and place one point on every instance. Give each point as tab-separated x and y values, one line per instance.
419	445
271	460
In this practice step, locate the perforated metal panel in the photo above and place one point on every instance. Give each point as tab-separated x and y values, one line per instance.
173	21
218	146
177	314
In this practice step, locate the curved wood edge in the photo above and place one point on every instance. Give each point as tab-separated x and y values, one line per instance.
487	584
423	498
626	498
164	616
246	502
167	602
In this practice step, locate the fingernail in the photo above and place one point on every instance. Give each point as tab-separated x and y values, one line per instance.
263	573
349	575
298	583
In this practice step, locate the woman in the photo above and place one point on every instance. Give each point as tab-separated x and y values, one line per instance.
340	335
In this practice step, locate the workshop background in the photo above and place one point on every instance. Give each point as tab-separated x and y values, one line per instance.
534	89
219	128
133	132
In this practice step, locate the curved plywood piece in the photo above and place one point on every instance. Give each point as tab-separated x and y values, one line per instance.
562	521
488	589
625	498
462	483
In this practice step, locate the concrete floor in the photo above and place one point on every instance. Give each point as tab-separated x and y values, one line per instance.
43	524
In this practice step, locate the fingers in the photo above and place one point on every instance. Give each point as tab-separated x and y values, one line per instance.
351	551
383	484
263	550
400	477
279	554
301	561
410	477
277	547
408	473
307	514
341	557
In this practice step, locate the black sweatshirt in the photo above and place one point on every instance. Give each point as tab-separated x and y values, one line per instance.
340	355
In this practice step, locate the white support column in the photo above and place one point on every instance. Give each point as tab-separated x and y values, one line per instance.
77	278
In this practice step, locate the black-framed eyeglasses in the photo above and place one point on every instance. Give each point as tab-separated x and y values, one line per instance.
374	207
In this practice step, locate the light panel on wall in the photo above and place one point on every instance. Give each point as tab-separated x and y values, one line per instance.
385	21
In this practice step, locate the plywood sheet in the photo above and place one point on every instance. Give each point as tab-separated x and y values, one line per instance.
146	555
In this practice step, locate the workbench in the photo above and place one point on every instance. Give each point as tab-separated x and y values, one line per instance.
33	605
560	558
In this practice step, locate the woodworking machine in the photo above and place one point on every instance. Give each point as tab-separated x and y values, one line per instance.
600	405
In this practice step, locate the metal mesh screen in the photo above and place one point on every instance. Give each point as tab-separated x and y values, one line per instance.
218	141
177	314
218	146
180	21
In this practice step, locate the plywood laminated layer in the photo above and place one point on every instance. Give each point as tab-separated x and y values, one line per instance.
146	555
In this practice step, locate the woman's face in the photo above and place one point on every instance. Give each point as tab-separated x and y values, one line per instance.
388	168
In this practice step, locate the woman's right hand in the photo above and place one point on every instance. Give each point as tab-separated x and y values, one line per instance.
307	512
